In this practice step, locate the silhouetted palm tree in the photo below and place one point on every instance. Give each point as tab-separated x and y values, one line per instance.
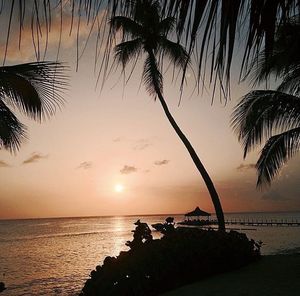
147	33
273	114
32	88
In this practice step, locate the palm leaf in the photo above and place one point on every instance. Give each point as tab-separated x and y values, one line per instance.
261	112
127	50
291	81
34	88
130	28
12	131
174	51
152	77
265	65
275	153
146	10
166	25
284	57
252	21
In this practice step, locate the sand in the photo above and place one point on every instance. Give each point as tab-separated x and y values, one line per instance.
277	275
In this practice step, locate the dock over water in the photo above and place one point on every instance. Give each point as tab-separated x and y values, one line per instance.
245	222
263	222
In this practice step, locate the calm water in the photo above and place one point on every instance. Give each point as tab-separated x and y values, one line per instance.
55	256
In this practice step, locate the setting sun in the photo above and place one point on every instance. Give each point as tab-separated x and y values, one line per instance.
119	188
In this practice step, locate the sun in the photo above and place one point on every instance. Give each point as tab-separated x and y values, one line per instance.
119	188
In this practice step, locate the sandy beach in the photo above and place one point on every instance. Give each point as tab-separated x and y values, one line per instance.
276	275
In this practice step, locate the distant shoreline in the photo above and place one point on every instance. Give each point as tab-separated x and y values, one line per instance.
145	215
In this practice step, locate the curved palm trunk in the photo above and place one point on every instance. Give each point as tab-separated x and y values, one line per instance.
208	182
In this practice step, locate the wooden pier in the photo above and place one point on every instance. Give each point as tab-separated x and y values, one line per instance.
263	222
244	222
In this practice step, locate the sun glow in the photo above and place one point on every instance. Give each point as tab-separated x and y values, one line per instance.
119	188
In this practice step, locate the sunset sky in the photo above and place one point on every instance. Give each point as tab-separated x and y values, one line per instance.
114	152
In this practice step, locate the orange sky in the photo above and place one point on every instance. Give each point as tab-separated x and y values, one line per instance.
72	163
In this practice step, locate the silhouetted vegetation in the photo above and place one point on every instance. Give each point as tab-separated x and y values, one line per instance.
141	234
35	89
179	257
208	29
165	228
2	287
273	115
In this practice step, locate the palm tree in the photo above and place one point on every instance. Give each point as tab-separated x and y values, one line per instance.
273	114
147	33
32	88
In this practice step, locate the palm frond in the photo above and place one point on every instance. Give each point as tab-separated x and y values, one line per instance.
127	50
152	77
291	81
254	22
166	25
34	88
262	112
284	57
145	10
130	28
275	153
265	65
12	131
174	51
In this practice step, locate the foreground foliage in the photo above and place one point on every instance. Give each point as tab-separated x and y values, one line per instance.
2	287
210	30
181	256
34	89
273	115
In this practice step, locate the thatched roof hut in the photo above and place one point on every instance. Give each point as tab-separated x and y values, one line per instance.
197	213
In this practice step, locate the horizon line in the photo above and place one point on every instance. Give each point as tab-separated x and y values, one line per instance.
142	215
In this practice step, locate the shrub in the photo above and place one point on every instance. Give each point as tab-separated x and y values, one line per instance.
179	257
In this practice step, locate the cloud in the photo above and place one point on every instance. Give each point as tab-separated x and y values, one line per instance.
118	139
162	162
245	167
26	50
127	169
273	195
35	157
3	164
85	165
141	144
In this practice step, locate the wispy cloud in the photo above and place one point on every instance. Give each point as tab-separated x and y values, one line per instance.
4	164
162	162
245	167
26	50
141	144
118	139
85	165
35	157
136	144
128	169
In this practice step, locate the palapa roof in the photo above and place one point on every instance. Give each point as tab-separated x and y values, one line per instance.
197	212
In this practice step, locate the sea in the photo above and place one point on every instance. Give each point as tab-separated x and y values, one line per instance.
55	256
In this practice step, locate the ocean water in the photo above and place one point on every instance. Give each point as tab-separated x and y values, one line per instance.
55	256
